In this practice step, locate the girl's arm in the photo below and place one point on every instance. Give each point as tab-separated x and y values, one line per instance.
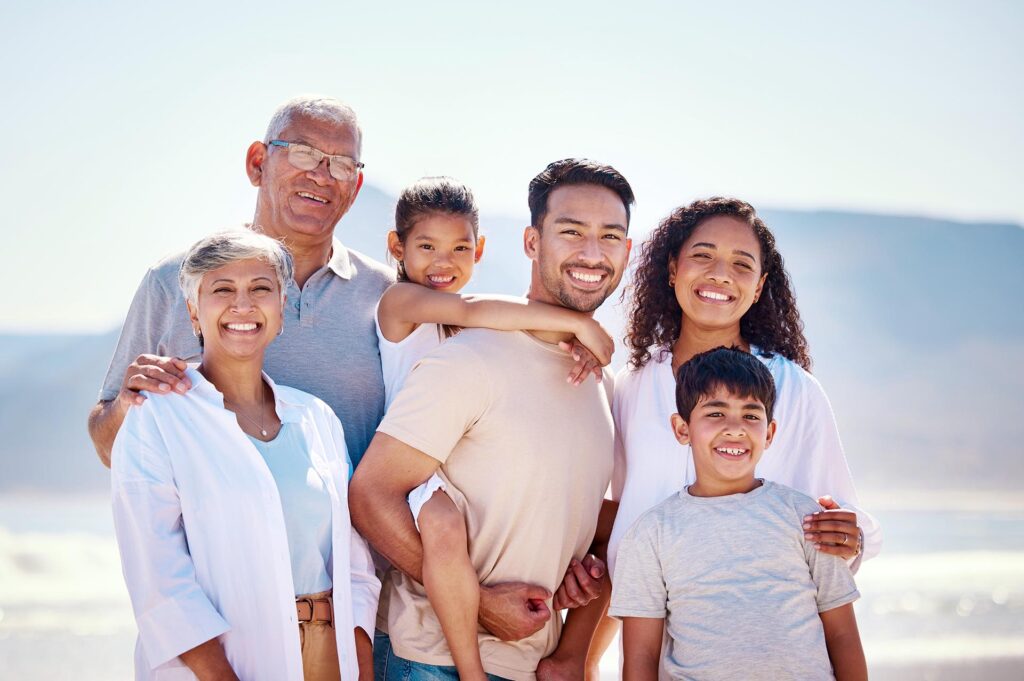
404	306
843	642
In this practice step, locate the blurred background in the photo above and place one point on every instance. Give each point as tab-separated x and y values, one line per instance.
882	142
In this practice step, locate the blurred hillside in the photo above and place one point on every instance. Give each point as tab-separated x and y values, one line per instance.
912	322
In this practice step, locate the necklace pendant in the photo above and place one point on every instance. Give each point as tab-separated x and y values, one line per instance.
263	433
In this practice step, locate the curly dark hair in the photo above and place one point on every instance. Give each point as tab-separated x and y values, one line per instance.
772	323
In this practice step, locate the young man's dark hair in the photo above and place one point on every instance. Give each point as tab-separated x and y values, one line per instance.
738	372
573	171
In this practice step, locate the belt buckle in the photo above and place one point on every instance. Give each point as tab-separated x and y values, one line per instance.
308	601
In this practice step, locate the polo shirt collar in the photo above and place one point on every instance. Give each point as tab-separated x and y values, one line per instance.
287	410
340	261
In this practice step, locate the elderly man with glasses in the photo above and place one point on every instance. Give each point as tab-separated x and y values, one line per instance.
308	173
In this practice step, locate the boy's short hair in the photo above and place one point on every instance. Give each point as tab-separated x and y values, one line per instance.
736	371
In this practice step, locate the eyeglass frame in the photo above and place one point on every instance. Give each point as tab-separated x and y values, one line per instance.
322	155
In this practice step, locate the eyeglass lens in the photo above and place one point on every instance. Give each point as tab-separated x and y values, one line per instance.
307	158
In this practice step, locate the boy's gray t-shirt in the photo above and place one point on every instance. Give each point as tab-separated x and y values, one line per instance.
739	586
328	347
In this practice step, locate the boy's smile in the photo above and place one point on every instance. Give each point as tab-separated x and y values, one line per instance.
727	434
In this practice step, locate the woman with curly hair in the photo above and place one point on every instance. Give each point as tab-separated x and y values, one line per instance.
710	276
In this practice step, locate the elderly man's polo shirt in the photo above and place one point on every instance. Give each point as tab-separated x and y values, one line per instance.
328	347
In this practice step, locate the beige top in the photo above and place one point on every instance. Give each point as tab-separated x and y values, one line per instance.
531	458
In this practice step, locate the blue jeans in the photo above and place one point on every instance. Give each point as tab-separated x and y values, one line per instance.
389	667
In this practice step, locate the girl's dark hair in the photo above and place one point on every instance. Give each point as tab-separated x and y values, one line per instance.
772	323
429	196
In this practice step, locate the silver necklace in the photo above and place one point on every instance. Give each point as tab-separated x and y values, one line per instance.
263	409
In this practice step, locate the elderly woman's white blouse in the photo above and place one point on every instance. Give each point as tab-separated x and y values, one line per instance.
203	542
650	465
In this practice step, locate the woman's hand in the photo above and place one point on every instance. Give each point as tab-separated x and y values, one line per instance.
208	662
833	530
364	655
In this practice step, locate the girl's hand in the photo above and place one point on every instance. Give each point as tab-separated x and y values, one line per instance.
586	362
592	335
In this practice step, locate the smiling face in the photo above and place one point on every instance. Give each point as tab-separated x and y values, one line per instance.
727	434
580	251
303	206
238	311
717	273
439	251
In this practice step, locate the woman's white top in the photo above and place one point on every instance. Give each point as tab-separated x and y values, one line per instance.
204	547
398	359
651	465
306	503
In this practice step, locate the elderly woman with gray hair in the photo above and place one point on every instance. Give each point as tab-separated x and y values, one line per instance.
231	504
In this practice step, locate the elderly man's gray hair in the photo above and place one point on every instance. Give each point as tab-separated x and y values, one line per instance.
224	248
313	107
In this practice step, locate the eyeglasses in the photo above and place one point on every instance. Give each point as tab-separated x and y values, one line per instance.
303	157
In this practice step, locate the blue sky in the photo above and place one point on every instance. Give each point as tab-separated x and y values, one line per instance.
127	123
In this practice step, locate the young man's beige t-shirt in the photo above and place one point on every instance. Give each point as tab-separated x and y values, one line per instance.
529	457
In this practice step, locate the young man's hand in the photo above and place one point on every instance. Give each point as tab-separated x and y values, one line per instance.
514	610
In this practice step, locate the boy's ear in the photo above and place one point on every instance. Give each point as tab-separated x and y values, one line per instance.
771	433
681	429
395	246
480	241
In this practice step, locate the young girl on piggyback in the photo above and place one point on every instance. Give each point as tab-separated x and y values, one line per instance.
436	243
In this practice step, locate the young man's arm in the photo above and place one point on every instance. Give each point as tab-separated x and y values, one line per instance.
842	639
641	647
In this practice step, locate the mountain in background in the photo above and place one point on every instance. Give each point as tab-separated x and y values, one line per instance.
913	326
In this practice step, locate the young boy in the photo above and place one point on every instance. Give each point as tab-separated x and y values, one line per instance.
725	559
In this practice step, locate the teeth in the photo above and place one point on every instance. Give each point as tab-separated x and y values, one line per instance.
437	279
588	278
732	451
712	295
307	195
242	327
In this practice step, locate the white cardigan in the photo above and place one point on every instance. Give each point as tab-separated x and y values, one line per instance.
202	536
651	465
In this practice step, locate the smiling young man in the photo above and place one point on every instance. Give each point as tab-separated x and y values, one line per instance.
529	456
725	563
307	172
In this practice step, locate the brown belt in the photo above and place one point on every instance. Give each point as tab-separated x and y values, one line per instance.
315	609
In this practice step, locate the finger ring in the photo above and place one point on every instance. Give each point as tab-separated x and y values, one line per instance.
845	538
